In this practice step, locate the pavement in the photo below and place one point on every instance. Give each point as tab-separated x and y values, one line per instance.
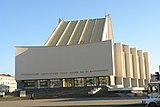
76	102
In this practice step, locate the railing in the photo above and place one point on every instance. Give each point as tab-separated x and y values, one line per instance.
94	91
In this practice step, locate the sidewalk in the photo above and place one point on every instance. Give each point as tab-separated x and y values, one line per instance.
71	102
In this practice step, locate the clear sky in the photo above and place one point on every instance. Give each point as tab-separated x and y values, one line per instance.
31	22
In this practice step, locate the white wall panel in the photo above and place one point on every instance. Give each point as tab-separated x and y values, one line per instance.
95	59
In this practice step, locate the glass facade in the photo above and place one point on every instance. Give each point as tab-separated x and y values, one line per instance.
55	83
103	81
29	84
69	82
92	81
79	82
42	83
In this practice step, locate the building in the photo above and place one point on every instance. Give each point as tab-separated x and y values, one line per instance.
82	53
156	76
153	78
7	83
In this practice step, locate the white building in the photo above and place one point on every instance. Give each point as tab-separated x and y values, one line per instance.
82	53
7	83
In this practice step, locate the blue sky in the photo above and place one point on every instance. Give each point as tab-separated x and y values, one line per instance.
31	22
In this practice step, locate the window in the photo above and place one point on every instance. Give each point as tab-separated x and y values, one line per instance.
79	82
92	81
55	83
103	81
29	84
43	83
68	82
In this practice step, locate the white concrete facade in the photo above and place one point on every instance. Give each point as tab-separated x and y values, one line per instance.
85	60
130	67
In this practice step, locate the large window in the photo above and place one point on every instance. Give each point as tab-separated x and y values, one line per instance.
79	82
29	84
55	83
91	81
103	81
68	82
43	83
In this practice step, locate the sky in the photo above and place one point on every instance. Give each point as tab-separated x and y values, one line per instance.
31	22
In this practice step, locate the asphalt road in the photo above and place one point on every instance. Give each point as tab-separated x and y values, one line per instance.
131	105
76	102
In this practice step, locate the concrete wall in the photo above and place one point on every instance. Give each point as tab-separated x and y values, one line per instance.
135	63
128	63
147	67
95	59
141	65
131	66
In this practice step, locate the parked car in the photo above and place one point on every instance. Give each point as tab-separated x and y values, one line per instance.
151	102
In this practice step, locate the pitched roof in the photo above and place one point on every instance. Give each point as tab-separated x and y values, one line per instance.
6	75
81	31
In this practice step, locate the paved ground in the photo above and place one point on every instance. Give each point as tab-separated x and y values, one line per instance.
75	102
